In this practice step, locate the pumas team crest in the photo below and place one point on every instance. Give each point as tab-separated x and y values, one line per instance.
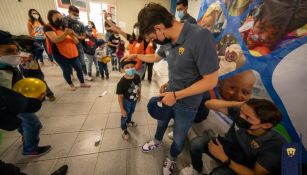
181	50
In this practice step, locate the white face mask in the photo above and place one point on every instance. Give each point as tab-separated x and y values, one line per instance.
136	31
109	18
35	16
12	60
76	18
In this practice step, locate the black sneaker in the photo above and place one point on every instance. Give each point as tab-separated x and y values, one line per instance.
97	74
108	77
61	171
102	77
40	151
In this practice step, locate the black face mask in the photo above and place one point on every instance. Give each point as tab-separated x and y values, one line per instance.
242	123
165	41
58	23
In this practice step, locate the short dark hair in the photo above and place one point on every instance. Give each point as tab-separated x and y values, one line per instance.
183	2
151	15
265	110
73	9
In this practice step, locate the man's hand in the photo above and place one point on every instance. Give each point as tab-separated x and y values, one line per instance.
163	87
168	98
124	113
217	150
128	57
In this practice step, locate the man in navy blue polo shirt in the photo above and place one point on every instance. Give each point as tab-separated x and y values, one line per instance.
193	69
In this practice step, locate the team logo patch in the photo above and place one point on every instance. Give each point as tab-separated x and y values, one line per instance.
181	50
291	152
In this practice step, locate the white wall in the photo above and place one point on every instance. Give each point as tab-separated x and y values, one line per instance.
14	14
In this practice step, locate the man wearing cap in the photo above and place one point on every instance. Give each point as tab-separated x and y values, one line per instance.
193	69
182	12
9	74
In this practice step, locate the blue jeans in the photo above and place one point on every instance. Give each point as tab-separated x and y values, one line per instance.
199	145
103	69
29	129
66	65
81	58
129	107
183	119
91	59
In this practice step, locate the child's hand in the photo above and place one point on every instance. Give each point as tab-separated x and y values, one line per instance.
124	113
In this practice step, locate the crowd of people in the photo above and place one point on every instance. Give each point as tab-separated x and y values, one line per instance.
250	146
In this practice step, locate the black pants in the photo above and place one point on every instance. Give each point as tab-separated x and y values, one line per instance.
149	67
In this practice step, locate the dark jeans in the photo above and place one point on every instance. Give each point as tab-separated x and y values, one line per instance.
199	145
29	129
183	119
40	76
129	107
103	68
43	42
66	66
149	67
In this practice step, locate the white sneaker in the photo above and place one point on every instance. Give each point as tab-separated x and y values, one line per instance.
170	135
151	145
189	171
88	78
168	167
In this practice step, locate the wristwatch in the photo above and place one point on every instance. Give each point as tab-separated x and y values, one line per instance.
227	162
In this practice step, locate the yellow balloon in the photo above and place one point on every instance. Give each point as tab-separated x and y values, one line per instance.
30	87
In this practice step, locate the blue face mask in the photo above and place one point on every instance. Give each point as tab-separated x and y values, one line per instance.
180	14
130	72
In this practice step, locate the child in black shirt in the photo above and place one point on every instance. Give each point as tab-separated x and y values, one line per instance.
128	91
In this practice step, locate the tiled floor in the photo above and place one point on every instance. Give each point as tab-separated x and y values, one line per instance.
84	131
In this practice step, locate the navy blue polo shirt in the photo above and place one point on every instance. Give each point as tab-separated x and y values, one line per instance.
189	58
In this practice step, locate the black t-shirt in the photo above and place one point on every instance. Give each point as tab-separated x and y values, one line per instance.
129	87
114	40
248	149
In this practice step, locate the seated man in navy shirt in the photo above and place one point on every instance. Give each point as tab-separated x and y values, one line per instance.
250	146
